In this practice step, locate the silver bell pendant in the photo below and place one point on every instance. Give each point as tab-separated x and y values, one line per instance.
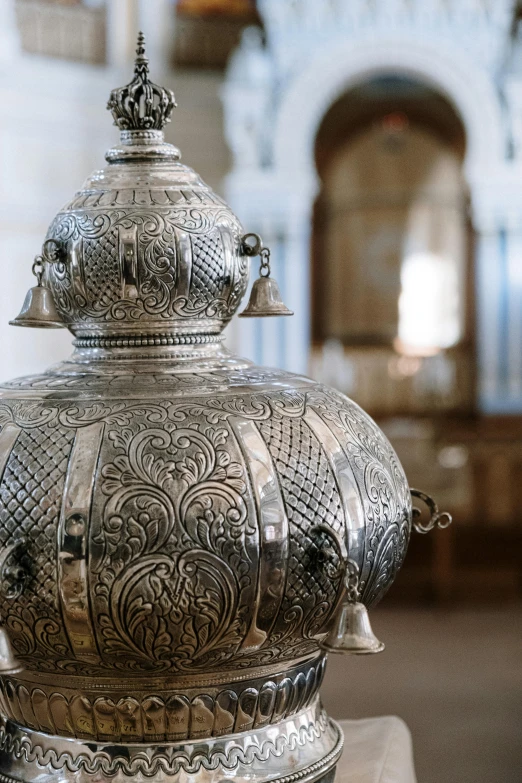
352	632
38	310
265	296
265	300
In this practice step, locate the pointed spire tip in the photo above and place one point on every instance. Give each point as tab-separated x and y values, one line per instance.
140	45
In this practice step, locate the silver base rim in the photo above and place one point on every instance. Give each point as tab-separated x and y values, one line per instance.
300	749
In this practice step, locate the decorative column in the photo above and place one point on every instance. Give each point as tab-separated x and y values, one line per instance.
9	38
157	20
280	211
511	317
270	203
122	29
498	221
297	293
489	295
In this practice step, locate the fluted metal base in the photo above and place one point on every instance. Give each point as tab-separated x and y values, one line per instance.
304	748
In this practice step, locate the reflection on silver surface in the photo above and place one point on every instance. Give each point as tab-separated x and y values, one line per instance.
73	533
273	532
300	749
353	509
176	522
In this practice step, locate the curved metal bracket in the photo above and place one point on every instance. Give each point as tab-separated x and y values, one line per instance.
251	248
13	576
440	519
330	551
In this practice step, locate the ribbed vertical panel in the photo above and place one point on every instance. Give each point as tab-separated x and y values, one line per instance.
488	301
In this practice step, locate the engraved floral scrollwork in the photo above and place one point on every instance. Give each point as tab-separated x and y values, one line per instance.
81	383
27	414
37	636
172	582
386	559
173	543
258	407
76	286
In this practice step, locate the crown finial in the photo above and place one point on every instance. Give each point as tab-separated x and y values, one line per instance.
141	104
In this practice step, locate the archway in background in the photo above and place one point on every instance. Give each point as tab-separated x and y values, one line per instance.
445	68
390	249
276	191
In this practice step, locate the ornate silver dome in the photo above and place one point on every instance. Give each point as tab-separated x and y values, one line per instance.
180	528
146	248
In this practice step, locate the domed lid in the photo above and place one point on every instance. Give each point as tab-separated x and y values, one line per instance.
146	251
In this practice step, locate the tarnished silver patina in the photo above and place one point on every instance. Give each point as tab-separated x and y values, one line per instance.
177	525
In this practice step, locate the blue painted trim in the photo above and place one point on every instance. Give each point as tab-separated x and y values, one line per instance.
503	312
500	405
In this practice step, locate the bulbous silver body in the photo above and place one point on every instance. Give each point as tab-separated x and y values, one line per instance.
175	520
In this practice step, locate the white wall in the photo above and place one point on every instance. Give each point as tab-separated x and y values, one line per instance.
54	130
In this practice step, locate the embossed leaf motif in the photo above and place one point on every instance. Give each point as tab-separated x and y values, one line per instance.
6	416
173	537
121	438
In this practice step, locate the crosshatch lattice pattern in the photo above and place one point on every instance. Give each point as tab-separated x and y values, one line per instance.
30	499
101	268
311	497
208	266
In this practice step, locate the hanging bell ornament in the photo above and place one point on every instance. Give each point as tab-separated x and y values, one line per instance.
8	662
38	309
265	296
352	632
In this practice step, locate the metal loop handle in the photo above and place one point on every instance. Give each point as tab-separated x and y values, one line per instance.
51	251
330	551
440	519
251	249
38	269
13	577
257	249
334	549
264	269
352	581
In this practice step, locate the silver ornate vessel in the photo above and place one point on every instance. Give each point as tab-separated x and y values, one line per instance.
183	534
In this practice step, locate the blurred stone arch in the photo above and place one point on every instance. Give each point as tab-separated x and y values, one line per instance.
390	260
314	53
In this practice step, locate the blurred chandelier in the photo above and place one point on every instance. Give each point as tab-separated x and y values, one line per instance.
185	535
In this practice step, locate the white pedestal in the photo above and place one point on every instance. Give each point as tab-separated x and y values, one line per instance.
376	750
